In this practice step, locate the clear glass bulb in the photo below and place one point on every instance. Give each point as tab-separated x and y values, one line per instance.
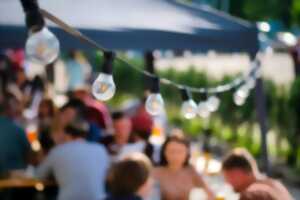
203	110
238	99
243	91
42	47
104	87
213	103
189	109
155	104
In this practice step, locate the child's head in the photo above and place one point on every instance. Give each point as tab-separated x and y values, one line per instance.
130	176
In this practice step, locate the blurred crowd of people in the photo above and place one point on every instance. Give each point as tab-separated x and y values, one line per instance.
94	152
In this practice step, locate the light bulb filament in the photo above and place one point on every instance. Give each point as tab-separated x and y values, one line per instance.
103	87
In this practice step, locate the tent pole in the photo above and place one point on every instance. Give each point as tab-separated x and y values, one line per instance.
261	112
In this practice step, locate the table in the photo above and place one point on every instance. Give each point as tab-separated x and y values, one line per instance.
25	183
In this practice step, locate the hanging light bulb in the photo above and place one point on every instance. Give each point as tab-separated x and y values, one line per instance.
213	103
42	47
243	91
241	95
238	100
189	106
155	102
203	110
104	87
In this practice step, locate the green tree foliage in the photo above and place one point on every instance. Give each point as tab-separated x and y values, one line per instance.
286	11
296	12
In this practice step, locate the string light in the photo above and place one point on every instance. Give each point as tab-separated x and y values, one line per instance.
203	110
189	106
241	95
213	103
104	87
41	46
155	102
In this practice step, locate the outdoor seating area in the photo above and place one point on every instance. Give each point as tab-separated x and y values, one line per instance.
129	100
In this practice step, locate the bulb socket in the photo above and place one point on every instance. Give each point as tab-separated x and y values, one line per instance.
33	17
185	94
107	66
154	85
149	67
149	60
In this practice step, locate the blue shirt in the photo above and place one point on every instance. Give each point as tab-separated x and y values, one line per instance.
79	168
130	197
14	146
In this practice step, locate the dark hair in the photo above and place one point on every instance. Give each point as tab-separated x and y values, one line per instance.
145	135
72	54
127	176
179	139
76	104
8	103
117	115
239	159
49	103
37	84
77	128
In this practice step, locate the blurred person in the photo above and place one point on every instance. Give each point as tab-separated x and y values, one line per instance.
258	195
75	71
14	146
21	80
241	171
122	129
46	114
139	143
79	167
86	66
142	121
175	175
96	111
125	185
46	110
5	74
72	109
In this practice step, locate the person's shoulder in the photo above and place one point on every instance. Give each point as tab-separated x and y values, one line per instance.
259	186
258	194
58	148
259	190
280	188
96	145
99	148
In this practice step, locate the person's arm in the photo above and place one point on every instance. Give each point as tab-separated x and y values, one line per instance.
199	182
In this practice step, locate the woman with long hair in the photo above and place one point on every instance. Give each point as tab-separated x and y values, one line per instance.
175	175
